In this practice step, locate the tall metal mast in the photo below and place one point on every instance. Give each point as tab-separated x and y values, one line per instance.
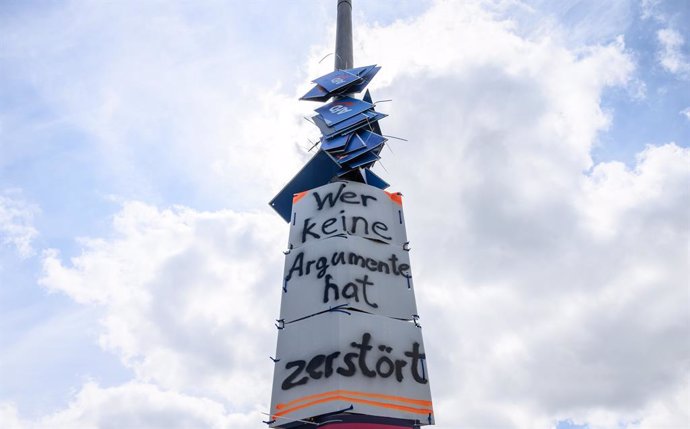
343	36
343	362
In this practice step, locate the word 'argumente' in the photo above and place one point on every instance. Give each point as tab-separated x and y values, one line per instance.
320	265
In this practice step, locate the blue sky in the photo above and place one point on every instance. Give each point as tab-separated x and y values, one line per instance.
546	182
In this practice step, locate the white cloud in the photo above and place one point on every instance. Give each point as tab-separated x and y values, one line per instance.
168	98
549	288
16	223
133	405
188	297
686	112
671	56
650	9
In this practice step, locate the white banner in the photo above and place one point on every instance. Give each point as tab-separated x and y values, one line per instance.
348	271
358	362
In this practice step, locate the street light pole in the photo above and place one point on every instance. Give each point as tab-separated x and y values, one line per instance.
343	36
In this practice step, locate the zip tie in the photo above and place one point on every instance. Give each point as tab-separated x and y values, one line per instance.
287	418
313	144
329	54
368	123
339	308
280	324
406	246
274	360
382	101
350	408
327	422
285	285
381	164
397	138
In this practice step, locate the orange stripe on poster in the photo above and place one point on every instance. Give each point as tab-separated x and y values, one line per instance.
389	398
337	397
298	196
395	196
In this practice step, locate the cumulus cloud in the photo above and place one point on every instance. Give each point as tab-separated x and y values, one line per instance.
671	56
166	100
686	112
16	223
569	306
650	9
550	288
187	297
567	280
132	405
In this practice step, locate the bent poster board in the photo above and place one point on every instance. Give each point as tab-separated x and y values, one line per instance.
357	362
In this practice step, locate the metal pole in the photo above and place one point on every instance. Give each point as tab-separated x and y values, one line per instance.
343	36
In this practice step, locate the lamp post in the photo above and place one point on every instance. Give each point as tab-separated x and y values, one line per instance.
349	353
343	36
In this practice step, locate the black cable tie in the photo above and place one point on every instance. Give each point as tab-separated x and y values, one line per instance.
274	360
313	145
350	408
406	246
394	137
339	309
268	422
328	422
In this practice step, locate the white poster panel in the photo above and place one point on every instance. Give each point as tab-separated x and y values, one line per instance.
347	271
361	363
347	208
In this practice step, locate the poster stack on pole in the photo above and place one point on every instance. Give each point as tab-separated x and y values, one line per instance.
349	353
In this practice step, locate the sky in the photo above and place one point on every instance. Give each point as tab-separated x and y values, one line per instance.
546	181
